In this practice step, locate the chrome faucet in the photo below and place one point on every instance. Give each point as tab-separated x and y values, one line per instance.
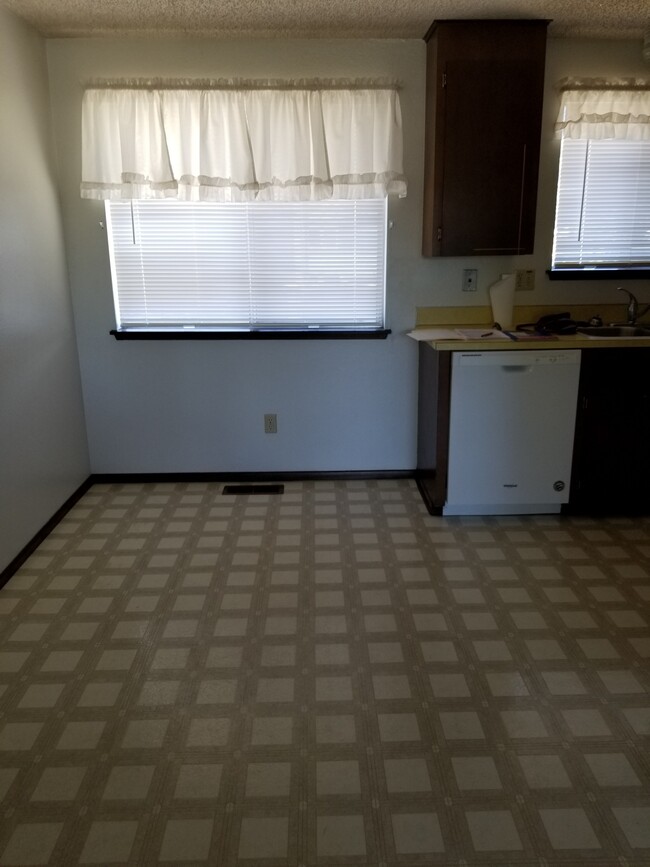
633	307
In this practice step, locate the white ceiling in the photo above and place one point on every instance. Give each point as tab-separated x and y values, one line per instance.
610	19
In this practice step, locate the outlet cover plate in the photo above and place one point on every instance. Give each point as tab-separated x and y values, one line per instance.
470	277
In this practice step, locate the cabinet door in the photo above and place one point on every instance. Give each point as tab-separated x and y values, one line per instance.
485	88
490	158
611	463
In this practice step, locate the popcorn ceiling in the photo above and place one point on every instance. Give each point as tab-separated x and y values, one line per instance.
408	19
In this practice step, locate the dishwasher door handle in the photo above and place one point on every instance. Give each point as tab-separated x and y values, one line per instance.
517	368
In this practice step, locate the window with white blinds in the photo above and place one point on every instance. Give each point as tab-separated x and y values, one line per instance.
179	264
602	216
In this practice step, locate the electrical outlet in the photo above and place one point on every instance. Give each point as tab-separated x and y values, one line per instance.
470	276
524	280
270	422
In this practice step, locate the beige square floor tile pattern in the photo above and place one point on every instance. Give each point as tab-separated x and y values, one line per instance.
325	678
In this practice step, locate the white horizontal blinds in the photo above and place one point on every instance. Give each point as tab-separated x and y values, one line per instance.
169	267
248	264
318	263
603	204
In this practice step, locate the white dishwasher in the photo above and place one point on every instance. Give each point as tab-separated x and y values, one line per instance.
511	427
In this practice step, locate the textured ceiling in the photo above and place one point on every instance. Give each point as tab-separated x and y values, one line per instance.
611	19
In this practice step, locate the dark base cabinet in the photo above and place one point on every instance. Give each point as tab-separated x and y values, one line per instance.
611	458
434	394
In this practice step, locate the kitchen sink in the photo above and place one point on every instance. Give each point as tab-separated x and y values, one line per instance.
615	331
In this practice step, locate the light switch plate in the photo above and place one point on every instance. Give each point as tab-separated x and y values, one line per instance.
525	280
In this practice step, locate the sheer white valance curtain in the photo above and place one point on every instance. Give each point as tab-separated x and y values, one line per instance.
596	109
241	144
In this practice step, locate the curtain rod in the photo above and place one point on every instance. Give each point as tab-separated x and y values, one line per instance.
242	84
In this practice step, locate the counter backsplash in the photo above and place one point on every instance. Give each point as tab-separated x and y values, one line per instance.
479	316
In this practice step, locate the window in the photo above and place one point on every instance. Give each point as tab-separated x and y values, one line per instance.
180	265
249	207
602	216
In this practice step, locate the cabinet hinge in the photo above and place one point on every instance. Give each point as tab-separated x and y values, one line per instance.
444	79
440	233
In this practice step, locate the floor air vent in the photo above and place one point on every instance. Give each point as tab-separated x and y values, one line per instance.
253	489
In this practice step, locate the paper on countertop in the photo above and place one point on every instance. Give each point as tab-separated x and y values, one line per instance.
457	334
434	334
481	334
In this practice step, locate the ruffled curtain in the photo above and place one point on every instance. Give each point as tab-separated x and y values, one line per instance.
601	110
241	144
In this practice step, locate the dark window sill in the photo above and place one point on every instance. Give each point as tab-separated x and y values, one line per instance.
598	273
250	333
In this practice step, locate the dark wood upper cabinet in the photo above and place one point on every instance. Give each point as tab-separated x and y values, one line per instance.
485	90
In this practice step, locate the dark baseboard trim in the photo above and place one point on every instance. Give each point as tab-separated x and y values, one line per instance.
45	530
349	475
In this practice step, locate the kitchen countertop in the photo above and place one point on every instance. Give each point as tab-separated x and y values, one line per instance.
479	318
569	341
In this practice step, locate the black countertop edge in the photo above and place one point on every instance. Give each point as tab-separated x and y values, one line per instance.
253	334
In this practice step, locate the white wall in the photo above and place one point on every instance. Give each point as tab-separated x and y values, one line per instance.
341	405
43	449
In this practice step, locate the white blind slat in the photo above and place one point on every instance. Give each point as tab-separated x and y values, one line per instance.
248	264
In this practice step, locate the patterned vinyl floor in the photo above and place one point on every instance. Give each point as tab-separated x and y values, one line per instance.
330	677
